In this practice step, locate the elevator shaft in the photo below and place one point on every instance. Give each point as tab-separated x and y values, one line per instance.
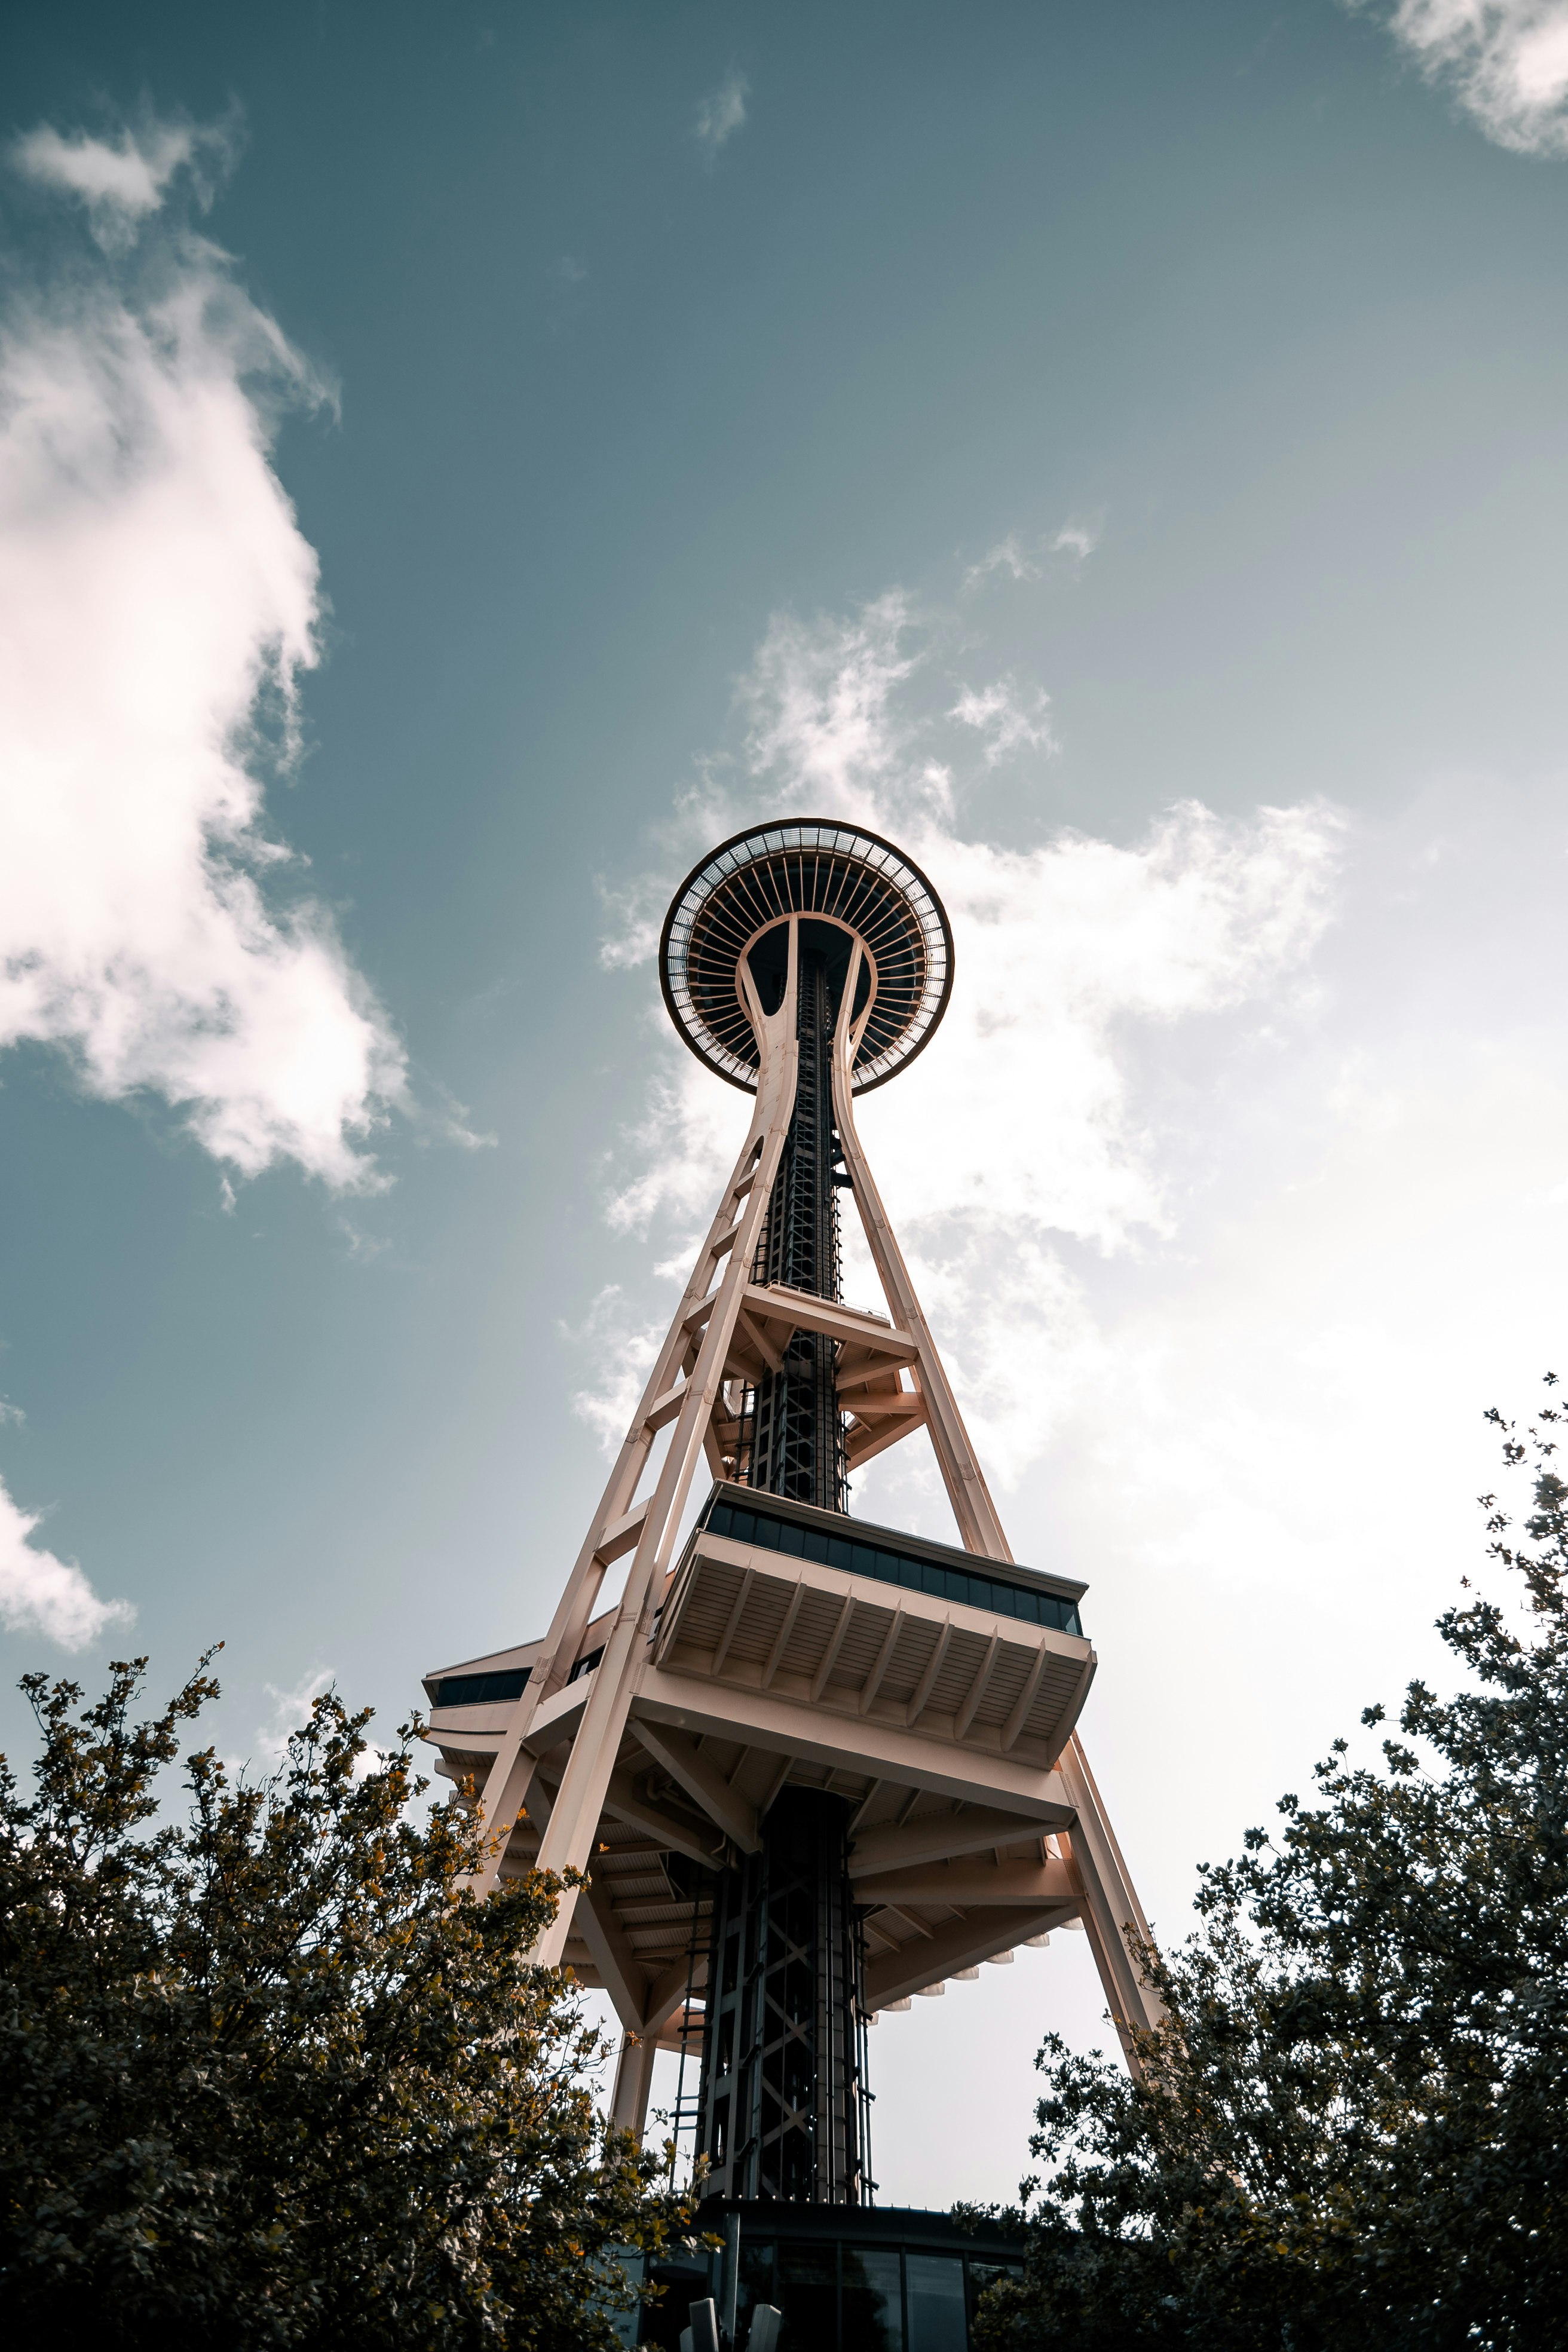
784	2078
793	1442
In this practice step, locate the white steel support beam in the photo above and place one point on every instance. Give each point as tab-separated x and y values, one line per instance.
1112	1912
957	1944
620	1971
830	1655
963	1883
672	1835
702	1782
927	1681
731	1239
634	2081
940	1837
884	1658
568	1839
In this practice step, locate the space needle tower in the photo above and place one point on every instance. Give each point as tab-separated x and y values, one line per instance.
810	1767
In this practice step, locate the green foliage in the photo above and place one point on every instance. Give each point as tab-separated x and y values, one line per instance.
269	2076
1353	2130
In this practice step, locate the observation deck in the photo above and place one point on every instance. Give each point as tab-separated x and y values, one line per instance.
841	879
931	1688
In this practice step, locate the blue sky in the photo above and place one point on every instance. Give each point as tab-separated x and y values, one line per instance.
459	463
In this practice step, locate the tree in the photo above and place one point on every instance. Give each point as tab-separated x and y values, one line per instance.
1353	2130
268	2076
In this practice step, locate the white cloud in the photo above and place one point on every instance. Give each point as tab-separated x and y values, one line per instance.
158	608
681	1141
122	180
42	1595
621	1347
824	725
292	1713
290	1709
1020	561
1010	719
1505	60
1077	539
722	113
1034	1132
1008	555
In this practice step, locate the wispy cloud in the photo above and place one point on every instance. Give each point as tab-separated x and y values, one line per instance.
1009	556
159	607
1505	61
820	706
622	1346
1077	539
1010	719
1016	557
290	1709
123	180
722	113
40	1593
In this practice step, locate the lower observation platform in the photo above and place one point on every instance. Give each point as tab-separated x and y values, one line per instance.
931	1689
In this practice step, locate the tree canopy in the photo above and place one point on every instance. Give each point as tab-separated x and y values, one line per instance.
268	2076
1353	2131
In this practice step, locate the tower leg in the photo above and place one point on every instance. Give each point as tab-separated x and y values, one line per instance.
702	1339
1112	1906
634	2081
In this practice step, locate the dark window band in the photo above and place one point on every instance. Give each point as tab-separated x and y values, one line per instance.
474	1690
894	1568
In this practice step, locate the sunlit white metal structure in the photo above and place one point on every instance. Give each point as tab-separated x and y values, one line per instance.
790	1707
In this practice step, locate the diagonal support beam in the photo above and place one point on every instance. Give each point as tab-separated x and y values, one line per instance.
927	1681
568	1842
702	1782
965	1884
835	1644
781	1638
732	1623
939	1836
620	1971
884	1659
749	1331
625	1800
861	1445
978	1687
957	1944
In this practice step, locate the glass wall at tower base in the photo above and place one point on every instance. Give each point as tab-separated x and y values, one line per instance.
890	2279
